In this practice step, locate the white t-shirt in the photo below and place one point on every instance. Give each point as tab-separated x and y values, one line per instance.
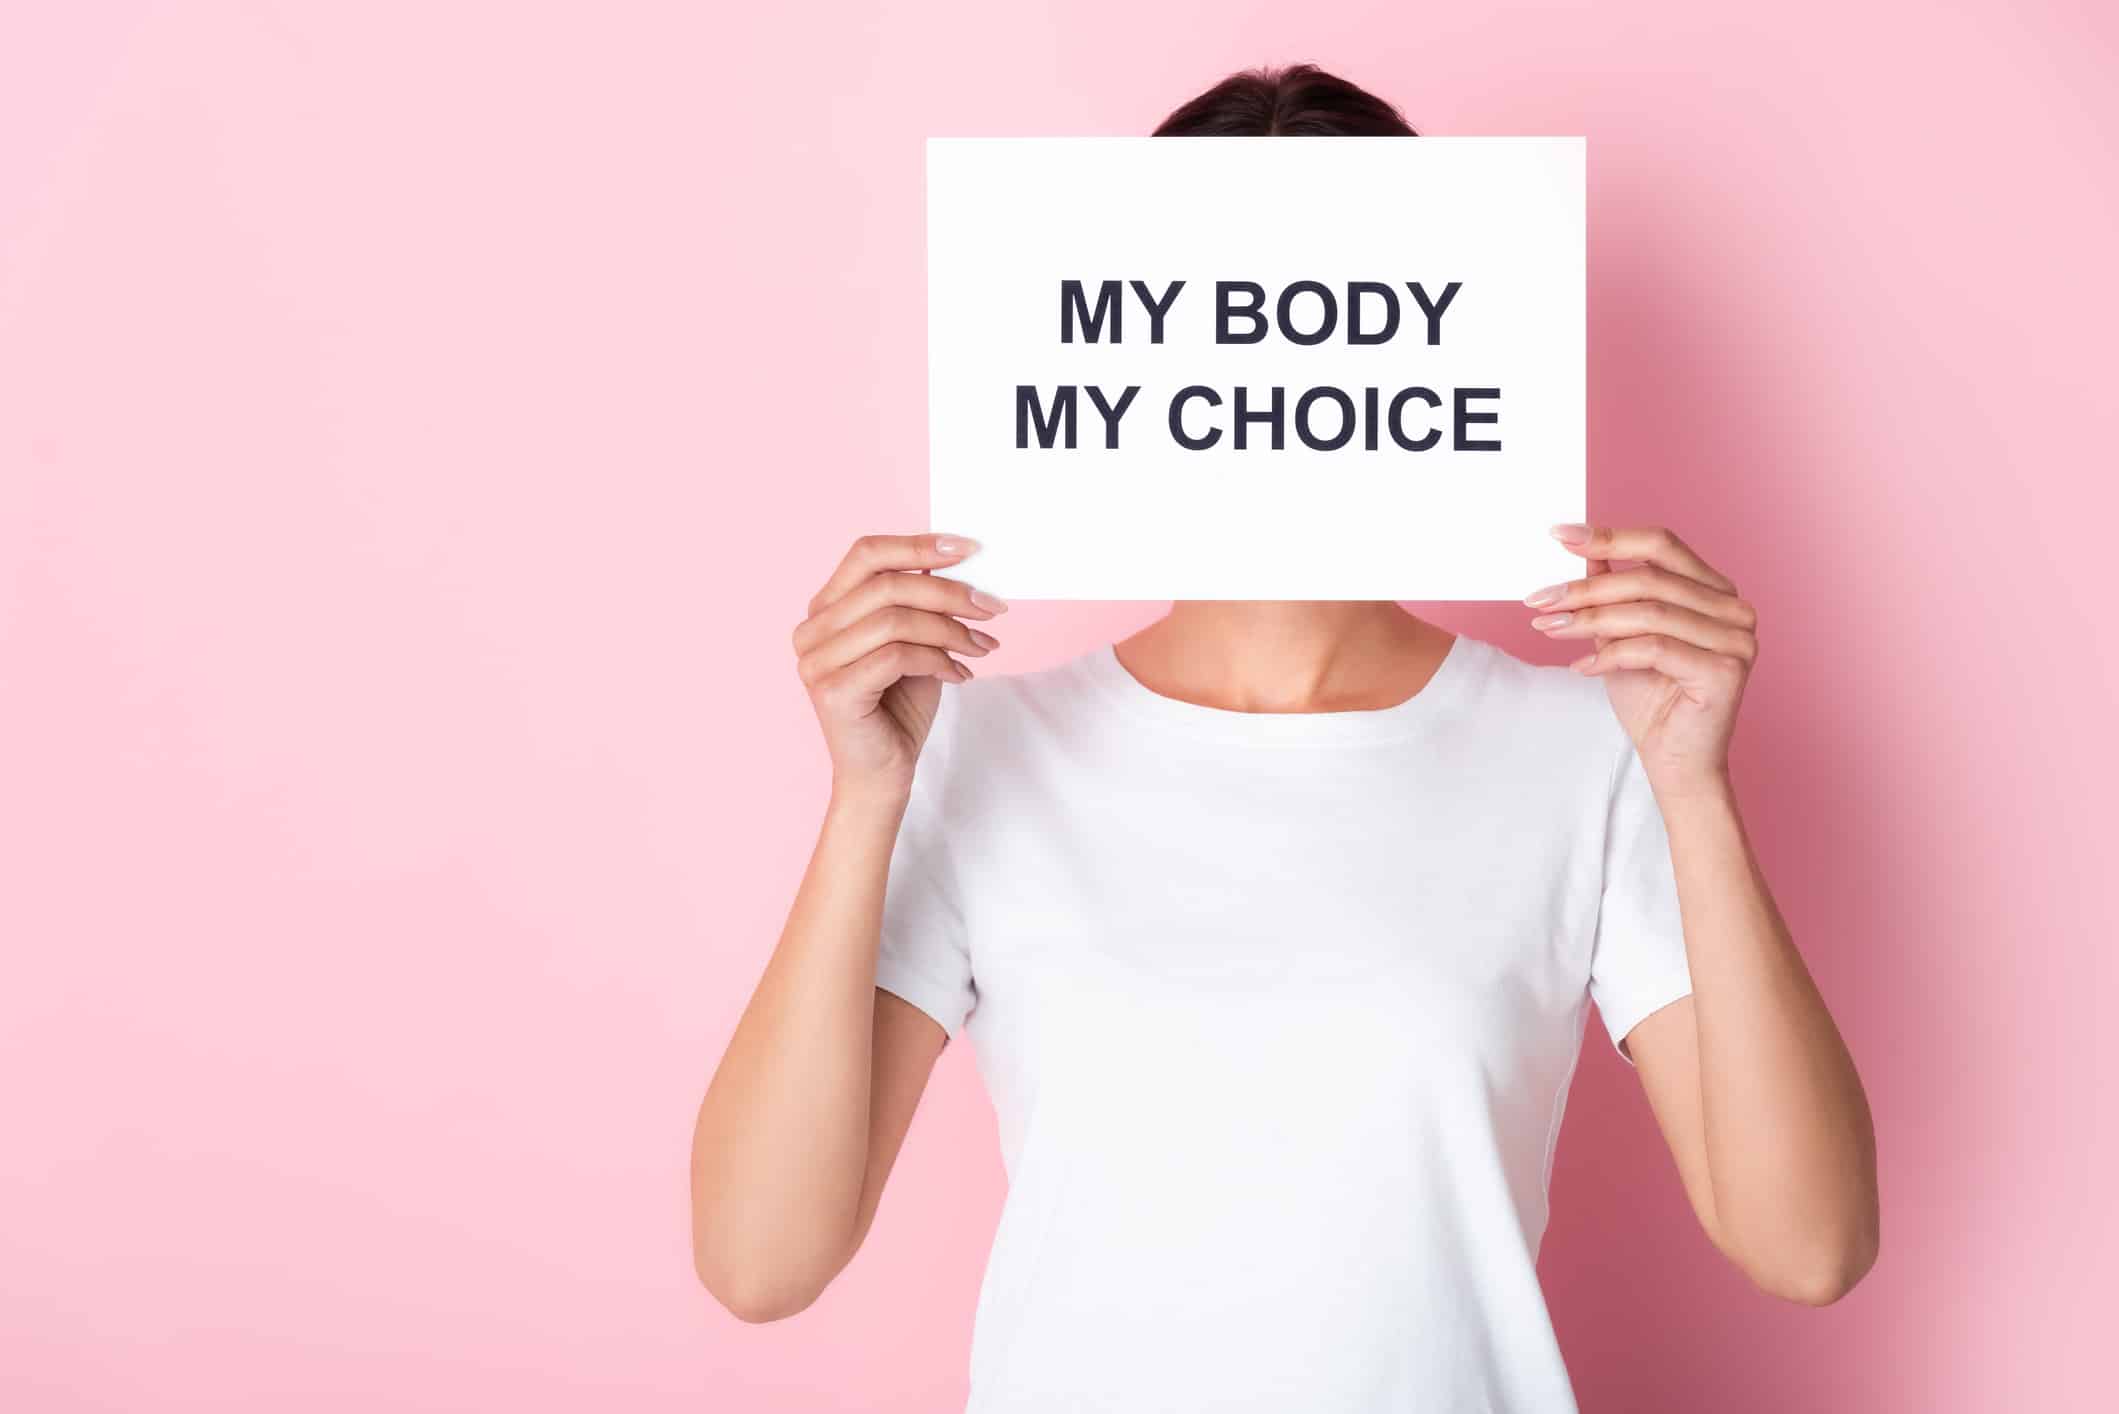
1278	1014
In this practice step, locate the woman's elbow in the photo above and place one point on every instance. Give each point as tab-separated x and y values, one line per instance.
1824	1271
753	1293
757	1273
763	1305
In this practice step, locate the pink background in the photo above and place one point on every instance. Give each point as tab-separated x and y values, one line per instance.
421	426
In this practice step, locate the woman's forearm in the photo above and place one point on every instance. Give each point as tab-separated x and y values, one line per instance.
1790	1149
780	1151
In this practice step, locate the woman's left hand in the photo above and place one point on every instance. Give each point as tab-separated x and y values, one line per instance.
1674	645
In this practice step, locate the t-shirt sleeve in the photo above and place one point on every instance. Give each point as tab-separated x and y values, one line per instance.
925	955
1637	965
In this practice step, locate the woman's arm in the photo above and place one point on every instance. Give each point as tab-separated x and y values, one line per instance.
1748	1077
806	1112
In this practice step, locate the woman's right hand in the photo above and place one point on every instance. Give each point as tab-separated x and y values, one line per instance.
876	649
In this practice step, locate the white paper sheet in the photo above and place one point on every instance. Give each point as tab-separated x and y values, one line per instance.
1011	219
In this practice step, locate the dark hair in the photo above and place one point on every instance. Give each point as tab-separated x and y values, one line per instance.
1302	101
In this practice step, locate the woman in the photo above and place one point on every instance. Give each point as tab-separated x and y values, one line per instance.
1275	926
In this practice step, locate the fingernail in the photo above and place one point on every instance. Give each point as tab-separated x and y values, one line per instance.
991	603
985	640
964	674
954	545
1548	621
1548	595
1571	534
1582	663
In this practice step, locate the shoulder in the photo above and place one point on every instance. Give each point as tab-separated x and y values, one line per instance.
1545	686
1538	704
994	701
995	718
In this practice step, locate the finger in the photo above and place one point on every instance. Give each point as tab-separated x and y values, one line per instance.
872	554
858	684
1596	569
931	592
896	624
1650	616
1644	582
1704	676
1653	544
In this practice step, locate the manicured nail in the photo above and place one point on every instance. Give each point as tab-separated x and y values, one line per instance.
1582	663
985	640
1550	594
1571	534
955	546
991	603
964	674
1552	621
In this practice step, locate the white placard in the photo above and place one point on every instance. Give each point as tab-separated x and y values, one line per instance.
1448	271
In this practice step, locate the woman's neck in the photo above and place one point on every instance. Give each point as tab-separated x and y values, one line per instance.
1286	655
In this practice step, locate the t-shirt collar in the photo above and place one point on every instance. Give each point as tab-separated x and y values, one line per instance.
1108	677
